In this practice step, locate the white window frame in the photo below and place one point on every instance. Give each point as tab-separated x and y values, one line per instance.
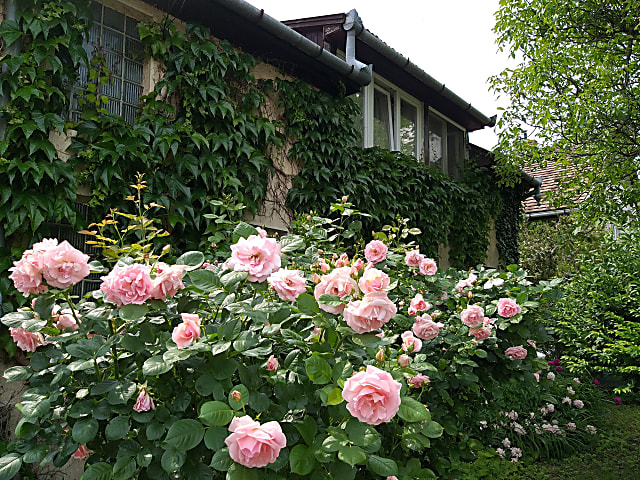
445	154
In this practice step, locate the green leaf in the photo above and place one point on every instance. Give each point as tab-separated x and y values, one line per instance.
44	305
329	300
214	438
243	230
231	278
411	410
172	460
216	414
36	455
432	429
185	434
307	304
382	466
15	374
204	280
363	435
352	455
193	260
98	471
124	468
155	366
291	243
85	430
302	460
308	429
117	428
335	397
244	396
239	472
155	431
221	460
10	465
132	312
318	369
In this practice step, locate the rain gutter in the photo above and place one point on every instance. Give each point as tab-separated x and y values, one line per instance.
535	183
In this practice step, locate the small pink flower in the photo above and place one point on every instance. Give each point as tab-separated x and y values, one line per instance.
413	258
507	307
481	333
372	396
533	345
64	266
418	380
404	360
373	280
257	255
252	444
380	356
578	403
595	381
516	353
425	328
187	332
617	400
144	402
82	452
472	316
236	396
168	280
428	266
419	304
340	283
358	265
410	343
27	341
272	364
288	284
262	233
66	320
369	314
375	251
130	284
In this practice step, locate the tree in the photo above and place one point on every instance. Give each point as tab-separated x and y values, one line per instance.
577	90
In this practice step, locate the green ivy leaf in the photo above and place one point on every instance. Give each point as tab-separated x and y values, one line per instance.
185	434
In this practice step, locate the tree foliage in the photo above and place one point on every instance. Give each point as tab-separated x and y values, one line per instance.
577	88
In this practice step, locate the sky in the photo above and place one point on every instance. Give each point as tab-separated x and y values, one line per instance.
451	40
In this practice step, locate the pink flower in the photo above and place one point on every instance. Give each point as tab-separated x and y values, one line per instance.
392	477
413	258
82	452
516	353
236	396
187	332
64	265
144	402
537	375
404	360
254	445
617	400
481	333
375	251
339	282
425	328
472	316
27	277
373	280
288	284
262	233
130	284
66	320
507	307
419	304
428	266
372	396
578	403
369	314
468	282
595	381
27	341
272	364
257	255
418	380
168	280
410	343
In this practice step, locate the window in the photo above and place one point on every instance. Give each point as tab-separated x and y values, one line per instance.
445	145
113	37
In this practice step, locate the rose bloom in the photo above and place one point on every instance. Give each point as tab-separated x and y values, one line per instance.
373	280
339	282
64	265
27	341
516	353
254	445
418	380
481	333
369	314
472	316
187	332
404	360
578	403
272	364
410	343
507	307
66	320
413	258
257	255
428	266
82	452
375	251
372	396
288	284
425	328
419	304
130	284
27	277
168	280
144	402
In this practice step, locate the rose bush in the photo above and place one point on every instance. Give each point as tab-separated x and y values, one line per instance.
217	372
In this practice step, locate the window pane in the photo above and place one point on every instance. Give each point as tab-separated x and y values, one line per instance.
455	151
436	143
408	128
382	120
357	119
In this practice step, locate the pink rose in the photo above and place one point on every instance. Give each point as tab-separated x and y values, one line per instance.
425	328
372	396
468	282
472	316
82	452
419	304
410	343
257	255
404	360
428	266
418	380
516	353
413	258
27	341
144	402
481	333
339	282
254	445
507	307
373	280
130	284
392	477
66	320
288	284
375	251
262	233
27	277
272	364
64	265
187	332
168	280
369	314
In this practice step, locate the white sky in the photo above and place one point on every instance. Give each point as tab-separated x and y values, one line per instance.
451	40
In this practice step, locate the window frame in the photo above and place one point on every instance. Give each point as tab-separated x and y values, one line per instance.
444	166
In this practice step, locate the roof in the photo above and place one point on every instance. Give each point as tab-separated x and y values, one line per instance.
550	175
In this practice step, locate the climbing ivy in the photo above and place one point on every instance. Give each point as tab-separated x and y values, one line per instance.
508	223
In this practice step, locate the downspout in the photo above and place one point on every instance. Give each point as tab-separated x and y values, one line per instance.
535	183
353	26
11	7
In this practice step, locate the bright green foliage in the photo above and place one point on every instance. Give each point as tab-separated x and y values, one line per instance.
597	324
576	90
